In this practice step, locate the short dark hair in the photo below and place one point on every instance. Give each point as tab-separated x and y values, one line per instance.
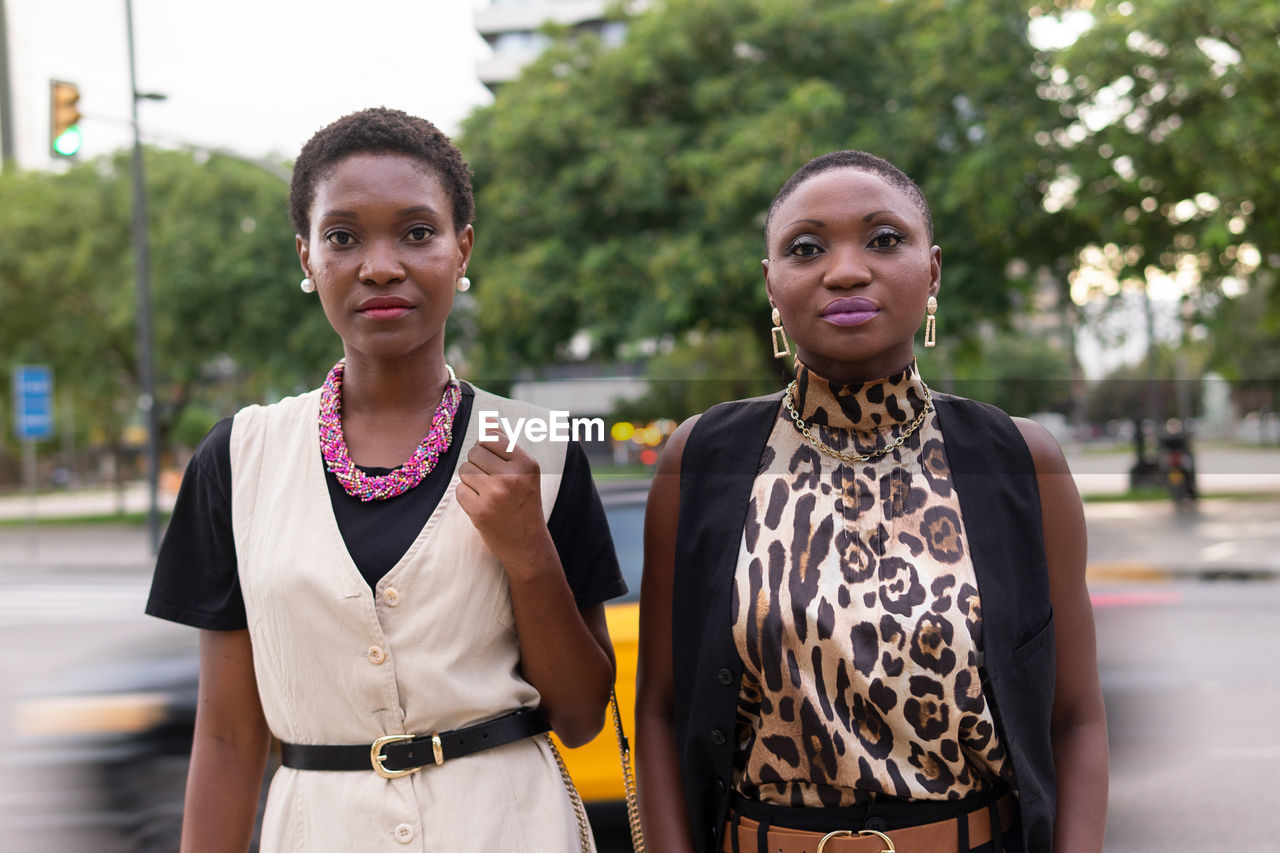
380	130
863	162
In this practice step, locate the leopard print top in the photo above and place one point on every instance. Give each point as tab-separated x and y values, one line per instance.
856	612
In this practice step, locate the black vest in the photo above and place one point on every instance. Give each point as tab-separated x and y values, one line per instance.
995	480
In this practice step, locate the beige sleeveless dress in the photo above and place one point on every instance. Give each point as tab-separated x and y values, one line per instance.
433	648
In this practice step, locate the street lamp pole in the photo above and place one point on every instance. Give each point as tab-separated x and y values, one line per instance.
142	268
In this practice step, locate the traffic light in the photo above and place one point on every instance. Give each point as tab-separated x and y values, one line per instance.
64	127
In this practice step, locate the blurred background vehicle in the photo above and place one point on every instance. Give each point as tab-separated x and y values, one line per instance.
1178	466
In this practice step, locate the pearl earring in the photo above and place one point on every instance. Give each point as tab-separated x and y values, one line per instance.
307	285
464	284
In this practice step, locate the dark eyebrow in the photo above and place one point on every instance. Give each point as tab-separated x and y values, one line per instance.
817	222
890	213
407	211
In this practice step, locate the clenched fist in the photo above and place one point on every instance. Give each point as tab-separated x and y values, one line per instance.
501	491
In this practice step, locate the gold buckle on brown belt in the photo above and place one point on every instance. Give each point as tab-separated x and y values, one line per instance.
844	833
936	835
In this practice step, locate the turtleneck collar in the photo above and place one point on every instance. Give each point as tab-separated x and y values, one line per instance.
862	406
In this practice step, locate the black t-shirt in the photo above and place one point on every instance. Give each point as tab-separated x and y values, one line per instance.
196	580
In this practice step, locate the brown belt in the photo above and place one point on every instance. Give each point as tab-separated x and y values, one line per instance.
938	837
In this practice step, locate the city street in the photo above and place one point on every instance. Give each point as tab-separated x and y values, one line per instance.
568	201
1188	670
1185	606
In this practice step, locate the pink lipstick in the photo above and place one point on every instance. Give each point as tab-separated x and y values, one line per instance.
850	311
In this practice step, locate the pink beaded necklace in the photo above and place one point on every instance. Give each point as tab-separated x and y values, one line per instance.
370	488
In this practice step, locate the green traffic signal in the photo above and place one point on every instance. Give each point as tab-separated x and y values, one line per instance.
64	116
68	142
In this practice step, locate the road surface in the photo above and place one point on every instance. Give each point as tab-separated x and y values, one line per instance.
1187	638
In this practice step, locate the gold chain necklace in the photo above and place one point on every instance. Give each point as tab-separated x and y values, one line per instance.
854	457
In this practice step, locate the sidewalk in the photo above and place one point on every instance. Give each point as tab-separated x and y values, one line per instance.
1098	473
102	546
1219	470
133	498
1152	542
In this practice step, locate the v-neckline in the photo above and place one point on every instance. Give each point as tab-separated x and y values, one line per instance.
334	531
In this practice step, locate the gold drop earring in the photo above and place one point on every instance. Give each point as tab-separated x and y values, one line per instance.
931	323
780	346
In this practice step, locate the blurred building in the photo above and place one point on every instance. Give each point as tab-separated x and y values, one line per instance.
513	29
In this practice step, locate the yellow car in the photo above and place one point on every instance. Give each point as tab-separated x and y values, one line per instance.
595	767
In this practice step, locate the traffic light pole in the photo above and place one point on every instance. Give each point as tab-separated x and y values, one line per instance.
142	267
7	153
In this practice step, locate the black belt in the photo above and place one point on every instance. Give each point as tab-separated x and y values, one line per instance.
391	756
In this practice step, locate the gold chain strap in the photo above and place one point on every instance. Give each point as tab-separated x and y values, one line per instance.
854	457
628	780
579	811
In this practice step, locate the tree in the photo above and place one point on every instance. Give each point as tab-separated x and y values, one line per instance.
63	252
700	371
227	311
1168	144
226	274
1246	343
622	191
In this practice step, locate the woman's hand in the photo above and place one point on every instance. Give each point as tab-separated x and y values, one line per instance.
565	653
1079	725
662	803
501	491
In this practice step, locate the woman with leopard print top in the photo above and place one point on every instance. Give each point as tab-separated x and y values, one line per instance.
864	623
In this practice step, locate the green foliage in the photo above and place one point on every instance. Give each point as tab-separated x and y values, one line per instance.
1169	114
229	322
225	275
622	191
1246	339
193	424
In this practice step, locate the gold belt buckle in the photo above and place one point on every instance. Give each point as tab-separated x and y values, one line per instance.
844	833
377	758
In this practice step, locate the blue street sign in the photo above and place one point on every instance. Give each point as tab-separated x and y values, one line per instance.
33	402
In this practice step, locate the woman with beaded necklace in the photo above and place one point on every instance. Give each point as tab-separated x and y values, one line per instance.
864	622
378	616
